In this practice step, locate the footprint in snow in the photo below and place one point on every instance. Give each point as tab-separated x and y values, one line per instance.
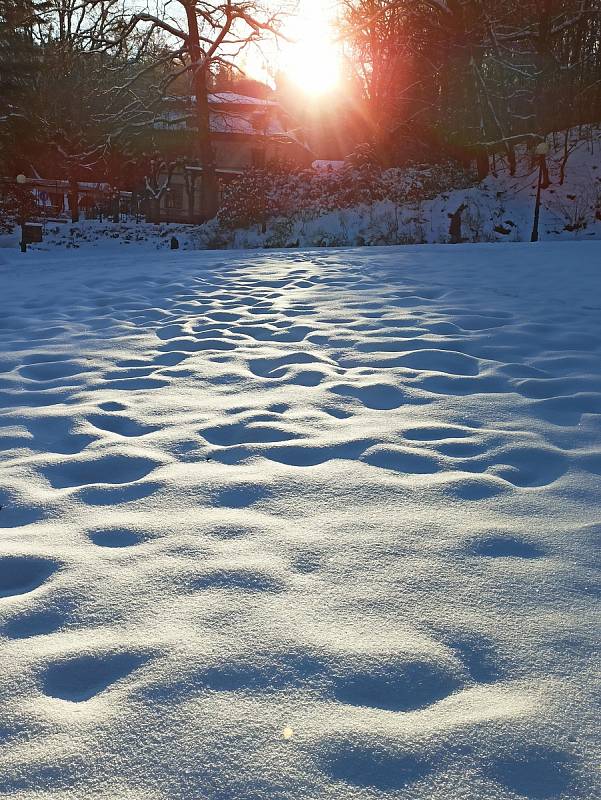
115	537
23	574
83	677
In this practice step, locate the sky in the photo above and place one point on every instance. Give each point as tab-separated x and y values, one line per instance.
311	60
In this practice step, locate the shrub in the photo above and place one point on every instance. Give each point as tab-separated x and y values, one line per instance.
259	195
16	203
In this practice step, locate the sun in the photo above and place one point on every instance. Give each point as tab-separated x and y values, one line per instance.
312	60
309	55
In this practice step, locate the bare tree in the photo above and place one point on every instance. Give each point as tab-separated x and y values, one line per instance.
476	75
203	36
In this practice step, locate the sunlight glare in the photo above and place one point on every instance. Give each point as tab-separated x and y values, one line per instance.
312	62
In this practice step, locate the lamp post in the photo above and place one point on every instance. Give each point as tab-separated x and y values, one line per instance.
541	152
21	181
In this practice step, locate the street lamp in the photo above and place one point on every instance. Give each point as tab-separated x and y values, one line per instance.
21	181
540	152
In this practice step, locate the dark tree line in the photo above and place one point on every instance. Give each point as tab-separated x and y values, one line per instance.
83	83
472	76
86	83
62	112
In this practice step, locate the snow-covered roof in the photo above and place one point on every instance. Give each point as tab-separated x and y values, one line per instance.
234	98
224	98
249	124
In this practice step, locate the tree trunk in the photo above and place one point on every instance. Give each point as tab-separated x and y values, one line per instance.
482	164
511	159
545	173
455	224
154	210
564	160
206	155
546	66
190	184
74	200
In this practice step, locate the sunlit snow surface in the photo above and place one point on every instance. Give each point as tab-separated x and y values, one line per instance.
317	525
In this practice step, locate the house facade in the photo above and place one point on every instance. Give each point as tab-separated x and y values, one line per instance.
246	132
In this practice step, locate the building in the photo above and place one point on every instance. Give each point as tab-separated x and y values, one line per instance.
246	132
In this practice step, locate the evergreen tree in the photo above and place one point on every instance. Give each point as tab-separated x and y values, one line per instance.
19	72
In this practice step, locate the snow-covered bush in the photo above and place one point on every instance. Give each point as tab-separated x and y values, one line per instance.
246	199
280	233
16	203
210	236
7	221
577	210
260	195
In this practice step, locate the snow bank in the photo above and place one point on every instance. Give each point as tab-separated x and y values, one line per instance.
501	208
301	525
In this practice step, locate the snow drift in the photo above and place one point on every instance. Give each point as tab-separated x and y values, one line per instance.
301	525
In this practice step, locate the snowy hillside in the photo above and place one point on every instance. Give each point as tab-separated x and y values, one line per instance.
319	525
501	208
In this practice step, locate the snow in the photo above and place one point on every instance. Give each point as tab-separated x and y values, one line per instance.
225	98
234	98
243	121
236	122
301	524
499	209
231	113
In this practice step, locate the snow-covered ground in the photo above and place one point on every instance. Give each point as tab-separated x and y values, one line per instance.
318	525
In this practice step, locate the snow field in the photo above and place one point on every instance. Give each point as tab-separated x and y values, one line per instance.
351	493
